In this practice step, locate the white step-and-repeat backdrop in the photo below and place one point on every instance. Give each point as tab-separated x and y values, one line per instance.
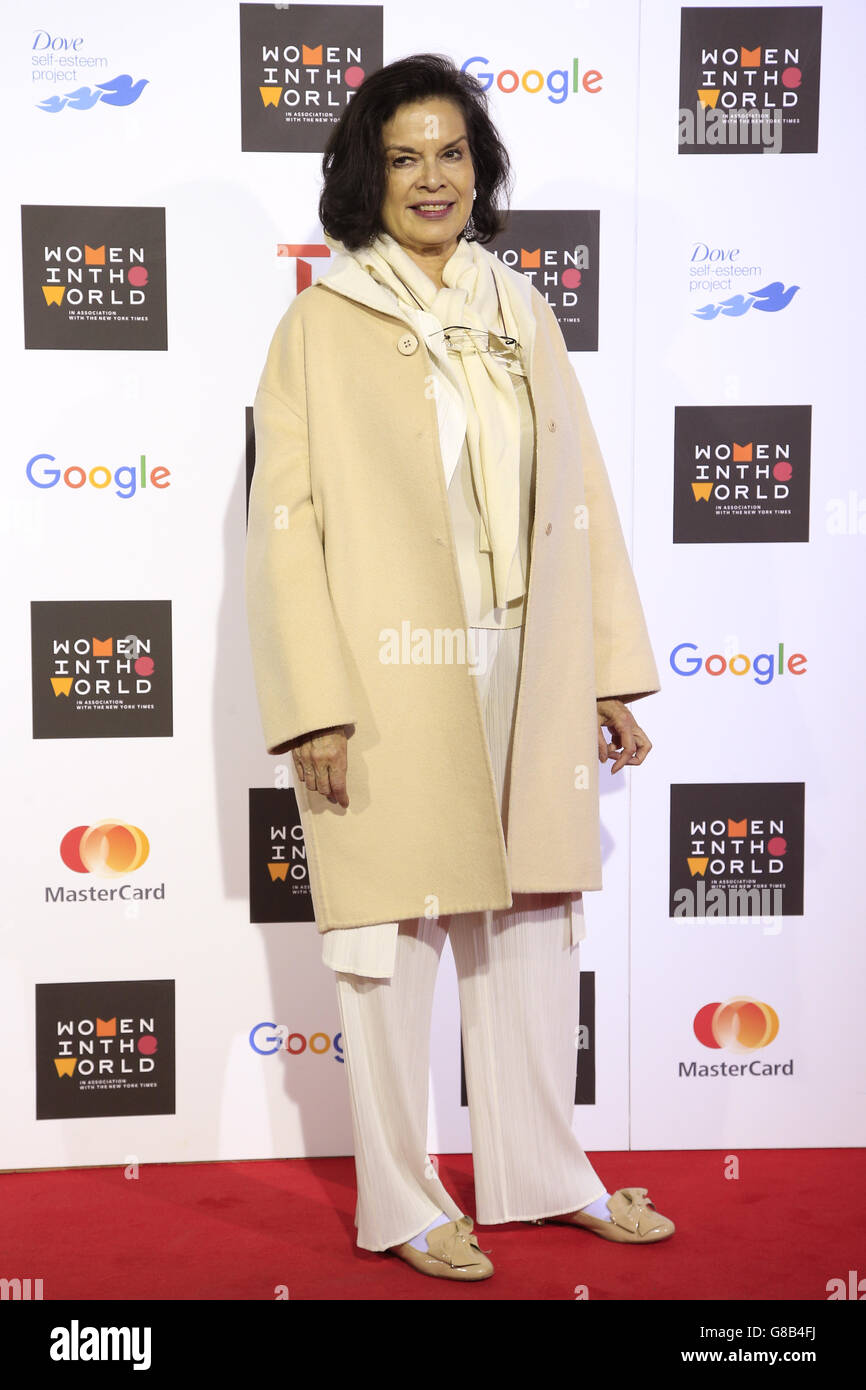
688	184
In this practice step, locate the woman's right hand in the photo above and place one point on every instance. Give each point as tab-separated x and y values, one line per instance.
321	761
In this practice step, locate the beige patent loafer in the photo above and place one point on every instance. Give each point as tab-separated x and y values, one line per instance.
452	1252
635	1220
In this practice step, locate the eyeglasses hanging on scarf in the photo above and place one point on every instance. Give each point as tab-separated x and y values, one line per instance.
458	338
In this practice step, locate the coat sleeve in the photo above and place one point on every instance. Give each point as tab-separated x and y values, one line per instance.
298	661
625	667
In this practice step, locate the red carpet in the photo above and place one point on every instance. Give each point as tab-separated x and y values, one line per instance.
238	1230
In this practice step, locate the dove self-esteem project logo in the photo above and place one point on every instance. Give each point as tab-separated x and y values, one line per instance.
62	60
735	285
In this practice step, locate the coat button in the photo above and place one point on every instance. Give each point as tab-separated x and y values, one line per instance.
551	425
407	344
548	528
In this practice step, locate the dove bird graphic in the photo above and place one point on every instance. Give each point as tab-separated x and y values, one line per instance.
122	91
83	99
769	299
774	297
52	104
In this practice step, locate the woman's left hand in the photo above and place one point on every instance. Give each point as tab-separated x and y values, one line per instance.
629	744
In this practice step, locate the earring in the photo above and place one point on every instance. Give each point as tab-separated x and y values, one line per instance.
469	229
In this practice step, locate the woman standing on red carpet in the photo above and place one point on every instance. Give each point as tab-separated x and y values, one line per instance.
443	620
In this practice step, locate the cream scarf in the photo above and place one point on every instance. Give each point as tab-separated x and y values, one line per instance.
492	413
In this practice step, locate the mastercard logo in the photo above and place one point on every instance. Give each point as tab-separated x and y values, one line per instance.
740	1025
108	849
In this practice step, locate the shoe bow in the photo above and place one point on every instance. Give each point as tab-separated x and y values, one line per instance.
455	1245
630	1208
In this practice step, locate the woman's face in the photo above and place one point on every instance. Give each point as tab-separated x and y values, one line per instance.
427	161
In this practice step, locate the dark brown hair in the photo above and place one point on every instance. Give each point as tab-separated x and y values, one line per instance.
353	164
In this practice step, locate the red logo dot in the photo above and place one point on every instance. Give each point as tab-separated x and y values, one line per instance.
70	849
703	1025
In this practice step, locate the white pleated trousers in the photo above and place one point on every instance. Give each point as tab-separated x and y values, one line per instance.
518	972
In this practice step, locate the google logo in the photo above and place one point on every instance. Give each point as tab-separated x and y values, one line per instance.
127	479
280	1039
533	81
766	665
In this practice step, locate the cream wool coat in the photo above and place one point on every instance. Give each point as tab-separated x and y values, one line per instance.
350	536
